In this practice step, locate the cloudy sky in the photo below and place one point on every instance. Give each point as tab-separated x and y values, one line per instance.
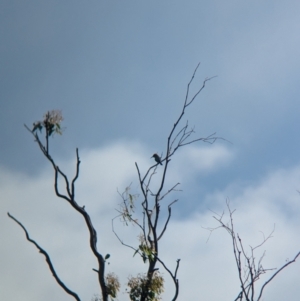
118	71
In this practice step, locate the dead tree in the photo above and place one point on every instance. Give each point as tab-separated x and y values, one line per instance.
51	124
248	267
152	200
142	288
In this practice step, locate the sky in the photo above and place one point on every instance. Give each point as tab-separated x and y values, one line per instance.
118	71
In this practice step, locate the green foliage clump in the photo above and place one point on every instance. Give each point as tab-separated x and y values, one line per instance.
113	284
51	123
139	284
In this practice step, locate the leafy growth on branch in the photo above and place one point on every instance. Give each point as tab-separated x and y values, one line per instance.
113	284
138	285
51	123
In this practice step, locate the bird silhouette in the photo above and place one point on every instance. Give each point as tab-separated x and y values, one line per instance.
157	158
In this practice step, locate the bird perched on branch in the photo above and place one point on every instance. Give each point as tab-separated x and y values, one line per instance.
157	158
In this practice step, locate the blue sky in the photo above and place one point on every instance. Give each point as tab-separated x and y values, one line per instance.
118	70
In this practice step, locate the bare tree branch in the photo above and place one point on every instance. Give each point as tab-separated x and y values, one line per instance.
275	274
173	276
69	196
252	270
151	202
167	221
48	260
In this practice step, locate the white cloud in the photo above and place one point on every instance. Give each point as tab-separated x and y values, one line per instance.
206	269
208	158
192	161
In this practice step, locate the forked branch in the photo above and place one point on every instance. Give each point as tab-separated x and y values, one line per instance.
252	269
152	201
51	124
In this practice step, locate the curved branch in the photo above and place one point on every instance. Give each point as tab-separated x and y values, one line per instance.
173	276
167	221
70	198
48	260
275	274
120	240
